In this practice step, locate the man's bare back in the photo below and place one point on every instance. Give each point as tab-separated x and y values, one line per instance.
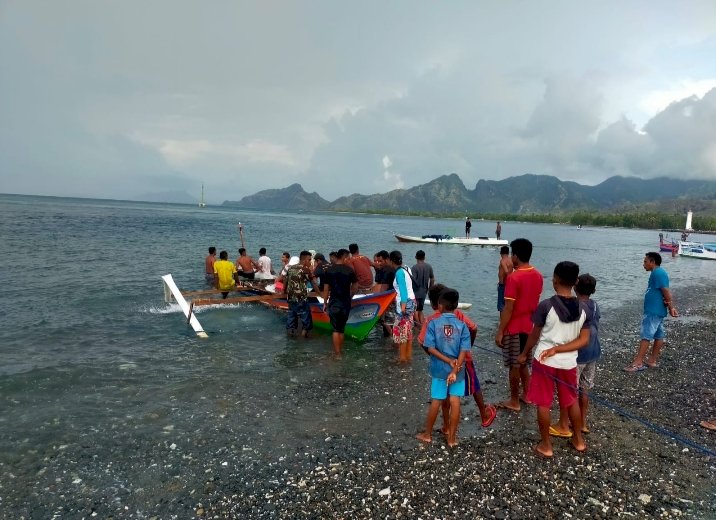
505	268
246	263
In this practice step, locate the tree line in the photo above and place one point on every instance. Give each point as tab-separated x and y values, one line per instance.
641	220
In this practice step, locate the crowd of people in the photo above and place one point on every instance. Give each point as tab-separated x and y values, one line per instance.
547	346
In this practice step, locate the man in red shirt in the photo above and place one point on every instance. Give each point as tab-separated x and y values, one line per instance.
361	265
522	292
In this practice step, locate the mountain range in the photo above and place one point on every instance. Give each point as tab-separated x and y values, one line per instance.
524	194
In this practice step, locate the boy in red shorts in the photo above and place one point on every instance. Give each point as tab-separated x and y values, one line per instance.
561	328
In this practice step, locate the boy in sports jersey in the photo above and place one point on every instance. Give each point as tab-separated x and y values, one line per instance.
472	383
448	341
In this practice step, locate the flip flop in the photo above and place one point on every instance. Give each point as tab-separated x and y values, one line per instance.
510	408
580	452
634	368
492	411
585	430
554	432
541	455
709	425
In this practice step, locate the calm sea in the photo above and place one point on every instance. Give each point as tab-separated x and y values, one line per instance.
88	344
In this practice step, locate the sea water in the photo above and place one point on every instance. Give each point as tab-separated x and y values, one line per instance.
92	356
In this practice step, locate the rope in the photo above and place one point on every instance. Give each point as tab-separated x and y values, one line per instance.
625	413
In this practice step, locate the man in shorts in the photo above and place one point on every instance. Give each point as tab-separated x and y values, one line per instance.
522	291
657	304
339	286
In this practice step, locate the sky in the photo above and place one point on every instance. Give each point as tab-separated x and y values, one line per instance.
116	99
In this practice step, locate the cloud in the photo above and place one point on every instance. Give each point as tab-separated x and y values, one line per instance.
244	96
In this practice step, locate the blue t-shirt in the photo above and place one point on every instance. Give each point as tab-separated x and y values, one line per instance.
593	350
654	299
449	336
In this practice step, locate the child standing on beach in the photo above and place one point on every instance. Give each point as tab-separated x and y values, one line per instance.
448	341
561	327
472	383
587	358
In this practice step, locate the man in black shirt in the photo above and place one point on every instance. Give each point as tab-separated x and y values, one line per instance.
339	285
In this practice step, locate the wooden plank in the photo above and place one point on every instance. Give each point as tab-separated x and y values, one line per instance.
244	299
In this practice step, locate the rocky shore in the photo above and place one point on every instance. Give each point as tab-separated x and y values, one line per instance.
343	447
634	467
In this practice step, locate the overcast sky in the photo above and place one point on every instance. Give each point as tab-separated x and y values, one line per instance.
115	99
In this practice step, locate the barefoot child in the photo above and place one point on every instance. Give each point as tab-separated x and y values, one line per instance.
560	329
472	383
587	358
447	340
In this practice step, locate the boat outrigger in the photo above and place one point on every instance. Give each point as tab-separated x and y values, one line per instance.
366	309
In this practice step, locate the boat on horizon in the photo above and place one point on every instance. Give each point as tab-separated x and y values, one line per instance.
447	239
202	204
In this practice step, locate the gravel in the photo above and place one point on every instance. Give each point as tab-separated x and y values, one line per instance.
343	448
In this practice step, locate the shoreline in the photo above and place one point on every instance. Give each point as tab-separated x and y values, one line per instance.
341	446
629	469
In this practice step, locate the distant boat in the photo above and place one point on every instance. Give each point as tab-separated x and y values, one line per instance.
667	247
447	239
698	250
202	204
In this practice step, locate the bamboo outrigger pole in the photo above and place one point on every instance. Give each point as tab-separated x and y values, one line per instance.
241	234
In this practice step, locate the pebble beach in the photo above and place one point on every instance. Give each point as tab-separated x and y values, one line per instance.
350	451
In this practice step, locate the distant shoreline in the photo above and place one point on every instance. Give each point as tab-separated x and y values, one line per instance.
669	223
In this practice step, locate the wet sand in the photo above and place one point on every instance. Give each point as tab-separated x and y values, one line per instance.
345	447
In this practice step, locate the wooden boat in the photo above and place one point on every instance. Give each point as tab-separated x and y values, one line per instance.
667	247
447	239
366	310
697	250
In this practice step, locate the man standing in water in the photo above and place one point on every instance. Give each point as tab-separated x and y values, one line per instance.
423	280
498	230
522	291
657	304
209	265
297	278
468	225
504	269
339	281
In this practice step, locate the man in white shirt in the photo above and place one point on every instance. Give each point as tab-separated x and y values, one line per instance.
264	272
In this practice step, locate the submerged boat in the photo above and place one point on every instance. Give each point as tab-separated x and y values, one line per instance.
447	239
698	250
366	310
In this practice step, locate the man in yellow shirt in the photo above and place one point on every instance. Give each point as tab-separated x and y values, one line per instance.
225	274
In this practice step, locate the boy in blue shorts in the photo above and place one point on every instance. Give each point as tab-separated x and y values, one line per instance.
448	341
